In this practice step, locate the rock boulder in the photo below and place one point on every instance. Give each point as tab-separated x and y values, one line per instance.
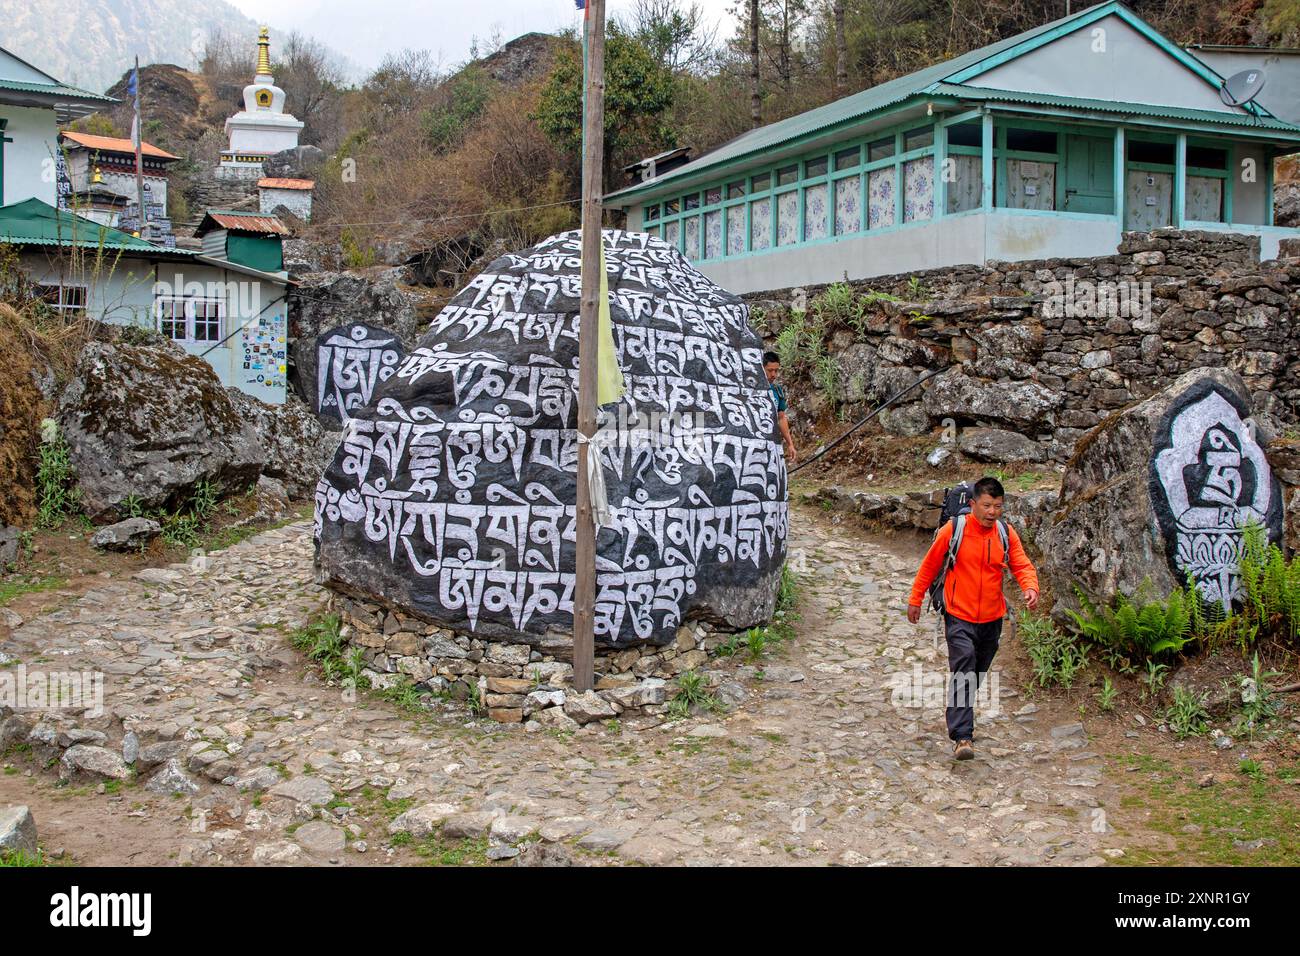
152	422
452	494
1159	490
964	398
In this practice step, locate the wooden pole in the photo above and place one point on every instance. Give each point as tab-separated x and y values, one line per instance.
593	158
142	223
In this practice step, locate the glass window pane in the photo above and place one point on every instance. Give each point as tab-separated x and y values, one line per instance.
1031	140
671	207
847	158
713	196
1207	157
880	149
918	138
815	167
1142	151
784	177
691	202
761	182
736	190
966	134
692	233
652	212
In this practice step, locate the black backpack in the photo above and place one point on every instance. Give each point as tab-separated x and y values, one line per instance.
956	509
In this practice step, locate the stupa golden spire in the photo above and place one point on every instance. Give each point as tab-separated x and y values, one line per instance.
264	52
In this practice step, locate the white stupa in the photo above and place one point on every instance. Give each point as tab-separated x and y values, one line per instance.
262	128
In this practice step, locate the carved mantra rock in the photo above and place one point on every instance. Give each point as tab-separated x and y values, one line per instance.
1161	490
451	496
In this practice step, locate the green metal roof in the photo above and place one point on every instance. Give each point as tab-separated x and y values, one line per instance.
1217	117
57	90
36	223
928	82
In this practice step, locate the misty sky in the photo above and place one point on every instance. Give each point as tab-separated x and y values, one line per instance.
364	30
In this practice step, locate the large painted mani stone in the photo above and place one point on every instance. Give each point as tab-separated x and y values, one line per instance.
451	495
1209	478
351	361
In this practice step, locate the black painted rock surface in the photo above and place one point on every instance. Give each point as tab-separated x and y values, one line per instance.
351	360
452	493
1162	489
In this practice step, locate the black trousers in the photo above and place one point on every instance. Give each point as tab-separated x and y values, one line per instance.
970	654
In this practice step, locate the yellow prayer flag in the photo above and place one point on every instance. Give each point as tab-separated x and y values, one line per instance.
609	375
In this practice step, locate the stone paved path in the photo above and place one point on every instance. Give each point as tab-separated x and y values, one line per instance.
817	765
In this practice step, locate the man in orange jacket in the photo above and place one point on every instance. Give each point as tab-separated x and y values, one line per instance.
973	601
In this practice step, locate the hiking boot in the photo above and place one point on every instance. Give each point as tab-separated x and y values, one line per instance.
965	750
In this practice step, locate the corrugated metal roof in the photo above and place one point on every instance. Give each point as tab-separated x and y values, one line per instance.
57	90
986	94
112	144
281	182
854	106
36	223
930	82
242	222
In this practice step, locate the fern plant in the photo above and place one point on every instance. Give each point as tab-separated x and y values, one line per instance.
1139	626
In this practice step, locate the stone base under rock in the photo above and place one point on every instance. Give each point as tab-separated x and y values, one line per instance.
516	682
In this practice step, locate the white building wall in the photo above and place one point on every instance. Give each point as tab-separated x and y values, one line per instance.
29	161
1119	63
254	324
298	201
1250	200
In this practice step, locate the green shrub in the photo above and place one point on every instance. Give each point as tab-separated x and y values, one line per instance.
838	304
1187	716
1138	628
56	493
1055	655
1270	585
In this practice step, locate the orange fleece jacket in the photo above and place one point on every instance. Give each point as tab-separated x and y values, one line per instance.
973	589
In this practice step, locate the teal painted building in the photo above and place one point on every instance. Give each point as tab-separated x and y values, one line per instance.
1047	144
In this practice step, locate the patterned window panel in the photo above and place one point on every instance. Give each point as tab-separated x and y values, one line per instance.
880	198
692	233
713	234
848	205
760	226
673	233
918	186
1031	184
815	213
735	230
1148	200
787	218
966	190
1205	198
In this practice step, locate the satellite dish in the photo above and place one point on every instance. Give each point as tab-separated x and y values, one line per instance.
1240	88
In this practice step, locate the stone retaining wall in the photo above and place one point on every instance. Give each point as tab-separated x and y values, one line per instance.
1035	376
516	682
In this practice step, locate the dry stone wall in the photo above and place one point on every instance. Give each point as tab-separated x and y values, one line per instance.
1047	349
